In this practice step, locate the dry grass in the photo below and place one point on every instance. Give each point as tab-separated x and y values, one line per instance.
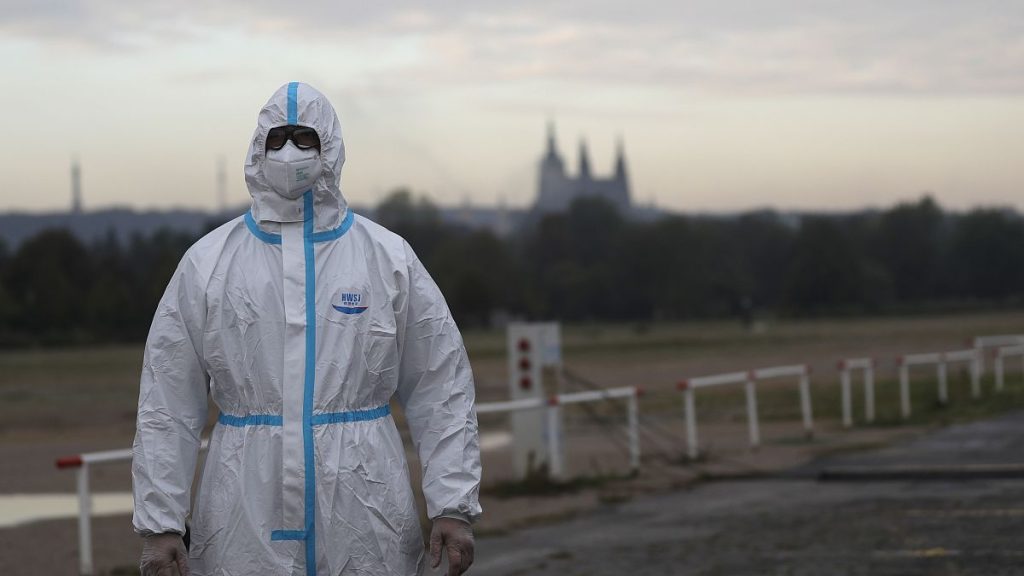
68	390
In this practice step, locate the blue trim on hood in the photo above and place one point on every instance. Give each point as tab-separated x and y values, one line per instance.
338	232
293	102
323	236
253	227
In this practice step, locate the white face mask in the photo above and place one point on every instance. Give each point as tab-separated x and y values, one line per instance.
292	171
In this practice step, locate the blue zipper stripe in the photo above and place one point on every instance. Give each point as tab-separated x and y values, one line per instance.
293	102
287	535
307	404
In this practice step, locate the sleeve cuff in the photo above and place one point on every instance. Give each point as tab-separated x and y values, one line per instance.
457	516
145	533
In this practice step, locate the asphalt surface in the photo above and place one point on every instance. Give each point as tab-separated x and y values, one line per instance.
794	524
999	441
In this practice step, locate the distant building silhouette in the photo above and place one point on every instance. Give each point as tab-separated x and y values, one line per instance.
76	187
557	189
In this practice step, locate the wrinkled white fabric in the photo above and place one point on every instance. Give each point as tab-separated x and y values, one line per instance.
302	322
291	171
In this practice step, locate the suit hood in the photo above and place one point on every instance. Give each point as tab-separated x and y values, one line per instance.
298	103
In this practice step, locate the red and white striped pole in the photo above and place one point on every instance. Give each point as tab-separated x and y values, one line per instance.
80	464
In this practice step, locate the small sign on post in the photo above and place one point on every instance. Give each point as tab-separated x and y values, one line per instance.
534	365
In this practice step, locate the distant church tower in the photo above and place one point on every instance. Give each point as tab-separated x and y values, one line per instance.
556	190
76	187
553	182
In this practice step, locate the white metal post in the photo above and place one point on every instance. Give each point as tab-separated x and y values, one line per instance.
84	523
943	388
869	394
805	404
844	382
994	341
555	463
905	391
980	350
755	431
999	371
975	368
690	414
633	414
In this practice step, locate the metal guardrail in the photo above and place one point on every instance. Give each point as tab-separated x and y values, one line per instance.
1000	356
81	464
980	343
941	360
749	380
846	368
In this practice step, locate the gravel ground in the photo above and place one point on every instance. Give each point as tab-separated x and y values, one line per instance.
792	524
795	527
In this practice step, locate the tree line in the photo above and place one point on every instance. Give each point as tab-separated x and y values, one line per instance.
589	264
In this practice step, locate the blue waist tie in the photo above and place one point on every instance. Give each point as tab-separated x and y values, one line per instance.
317	420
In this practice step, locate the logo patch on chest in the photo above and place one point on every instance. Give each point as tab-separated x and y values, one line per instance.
350	301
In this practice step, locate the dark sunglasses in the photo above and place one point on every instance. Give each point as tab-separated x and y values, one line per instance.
303	136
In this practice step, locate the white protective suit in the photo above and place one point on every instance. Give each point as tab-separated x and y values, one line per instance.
302	321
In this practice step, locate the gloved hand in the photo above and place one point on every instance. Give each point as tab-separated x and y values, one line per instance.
456	537
164	555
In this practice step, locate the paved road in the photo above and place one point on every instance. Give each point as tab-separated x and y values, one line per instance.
997	441
793	524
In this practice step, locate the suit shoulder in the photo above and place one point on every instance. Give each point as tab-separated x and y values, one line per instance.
380	238
204	253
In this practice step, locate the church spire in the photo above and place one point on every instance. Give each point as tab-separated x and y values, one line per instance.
584	160
551	139
620	159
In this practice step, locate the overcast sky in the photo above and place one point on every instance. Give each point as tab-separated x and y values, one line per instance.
722	105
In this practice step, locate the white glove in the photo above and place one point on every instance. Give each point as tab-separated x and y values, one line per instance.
456	537
164	555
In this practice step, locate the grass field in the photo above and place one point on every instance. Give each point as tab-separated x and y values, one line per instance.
68	390
96	389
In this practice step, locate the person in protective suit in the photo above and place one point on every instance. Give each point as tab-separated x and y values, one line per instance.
302	320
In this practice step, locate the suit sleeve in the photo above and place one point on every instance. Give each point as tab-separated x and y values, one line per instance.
172	407
435	389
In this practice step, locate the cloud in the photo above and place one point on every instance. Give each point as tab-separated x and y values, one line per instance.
784	46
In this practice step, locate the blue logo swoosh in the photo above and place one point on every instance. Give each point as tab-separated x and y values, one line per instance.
350	309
